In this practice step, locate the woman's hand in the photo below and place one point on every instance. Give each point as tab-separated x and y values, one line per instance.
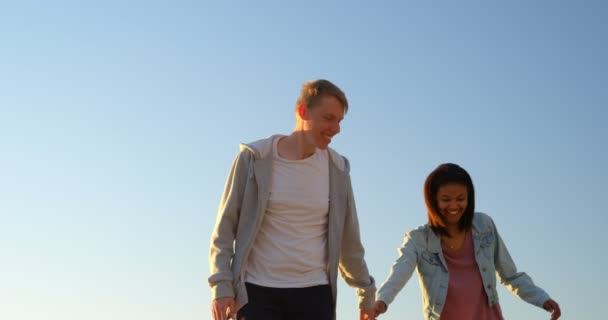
380	307
552	306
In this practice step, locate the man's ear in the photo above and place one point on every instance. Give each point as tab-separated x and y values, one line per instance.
302	111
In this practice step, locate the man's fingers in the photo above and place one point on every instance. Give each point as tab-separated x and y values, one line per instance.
219	311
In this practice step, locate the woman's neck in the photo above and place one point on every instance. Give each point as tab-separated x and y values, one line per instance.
454	231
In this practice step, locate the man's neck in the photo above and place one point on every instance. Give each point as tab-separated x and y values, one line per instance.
295	147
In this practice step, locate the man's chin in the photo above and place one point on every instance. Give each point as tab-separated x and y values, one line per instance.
323	146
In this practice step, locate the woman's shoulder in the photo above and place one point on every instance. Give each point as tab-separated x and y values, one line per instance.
482	217
482	221
420	233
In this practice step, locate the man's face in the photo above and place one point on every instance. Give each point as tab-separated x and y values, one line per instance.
322	121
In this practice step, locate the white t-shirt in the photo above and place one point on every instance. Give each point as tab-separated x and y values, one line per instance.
290	250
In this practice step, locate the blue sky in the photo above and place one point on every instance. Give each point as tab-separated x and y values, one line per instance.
119	121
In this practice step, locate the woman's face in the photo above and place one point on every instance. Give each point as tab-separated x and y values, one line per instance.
452	202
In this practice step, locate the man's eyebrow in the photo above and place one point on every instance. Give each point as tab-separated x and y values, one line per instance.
334	116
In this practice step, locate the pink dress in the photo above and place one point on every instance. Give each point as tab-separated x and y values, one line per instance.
466	298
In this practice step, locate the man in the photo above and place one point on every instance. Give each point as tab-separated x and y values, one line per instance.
287	222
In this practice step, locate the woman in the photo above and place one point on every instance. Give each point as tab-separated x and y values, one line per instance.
458	254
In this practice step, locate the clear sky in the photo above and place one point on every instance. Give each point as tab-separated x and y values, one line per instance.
119	121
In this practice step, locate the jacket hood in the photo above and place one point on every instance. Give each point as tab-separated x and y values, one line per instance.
263	148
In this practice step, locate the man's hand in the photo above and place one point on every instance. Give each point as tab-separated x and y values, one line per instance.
223	308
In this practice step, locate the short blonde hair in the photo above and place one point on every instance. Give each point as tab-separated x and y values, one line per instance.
313	91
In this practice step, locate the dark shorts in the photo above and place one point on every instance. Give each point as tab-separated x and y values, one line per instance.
287	303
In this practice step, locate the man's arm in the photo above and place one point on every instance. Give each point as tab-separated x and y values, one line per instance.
353	268
222	240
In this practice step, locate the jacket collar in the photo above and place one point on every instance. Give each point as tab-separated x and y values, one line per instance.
435	243
262	149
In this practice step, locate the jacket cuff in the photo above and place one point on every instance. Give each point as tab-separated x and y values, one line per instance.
222	289
541	299
367	295
384	298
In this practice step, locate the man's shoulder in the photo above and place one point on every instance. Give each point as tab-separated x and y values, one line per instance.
339	160
260	148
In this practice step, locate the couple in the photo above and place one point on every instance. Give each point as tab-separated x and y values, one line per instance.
287	224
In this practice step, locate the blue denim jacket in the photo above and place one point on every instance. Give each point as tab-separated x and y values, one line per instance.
421	249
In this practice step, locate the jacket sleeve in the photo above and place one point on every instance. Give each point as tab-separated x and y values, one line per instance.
519	283
400	272
224	234
352	266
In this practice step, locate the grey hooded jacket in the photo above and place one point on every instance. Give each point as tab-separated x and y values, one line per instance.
241	212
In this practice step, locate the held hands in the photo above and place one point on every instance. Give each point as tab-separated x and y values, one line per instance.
368	314
372	314
552	306
223	308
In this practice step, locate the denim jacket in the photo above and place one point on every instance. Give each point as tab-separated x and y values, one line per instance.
421	249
